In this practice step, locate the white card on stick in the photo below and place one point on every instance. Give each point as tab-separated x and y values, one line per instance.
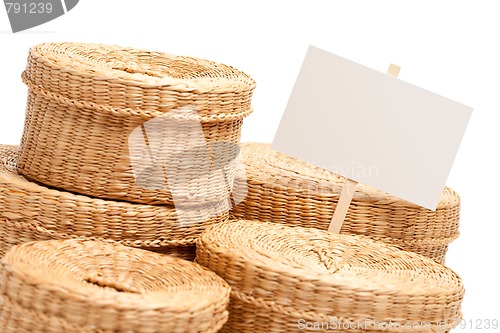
372	128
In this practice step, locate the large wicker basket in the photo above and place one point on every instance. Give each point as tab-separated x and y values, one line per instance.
30	212
285	279
75	286
289	191
133	125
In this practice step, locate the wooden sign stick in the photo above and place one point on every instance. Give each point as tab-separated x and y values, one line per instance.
350	185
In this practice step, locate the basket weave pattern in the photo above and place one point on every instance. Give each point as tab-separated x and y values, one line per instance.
286	190
30	212
85	100
84	286
280	275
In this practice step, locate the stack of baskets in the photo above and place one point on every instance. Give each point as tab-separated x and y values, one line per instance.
142	148
286	190
123	144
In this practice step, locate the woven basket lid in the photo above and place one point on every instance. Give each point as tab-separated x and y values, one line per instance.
289	191
135	81
39	213
282	171
306	273
87	286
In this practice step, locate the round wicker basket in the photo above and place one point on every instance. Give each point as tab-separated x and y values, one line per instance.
30	212
86	287
286	278
289	191
134	125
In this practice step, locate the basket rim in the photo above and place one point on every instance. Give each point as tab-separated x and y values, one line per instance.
135	112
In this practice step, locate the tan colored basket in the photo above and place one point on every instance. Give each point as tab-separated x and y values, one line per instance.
88	287
282	277
30	212
86	101
289	191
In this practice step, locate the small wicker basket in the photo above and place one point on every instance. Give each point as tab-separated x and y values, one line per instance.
286	278
289	191
88	287
134	125
30	212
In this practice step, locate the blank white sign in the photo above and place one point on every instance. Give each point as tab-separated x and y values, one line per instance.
372	128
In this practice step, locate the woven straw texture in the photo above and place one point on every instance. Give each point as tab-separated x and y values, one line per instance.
89	287
281	274
289	191
95	110
30	212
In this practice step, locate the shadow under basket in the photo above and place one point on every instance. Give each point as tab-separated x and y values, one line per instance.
134	125
88	286
287	279
32	212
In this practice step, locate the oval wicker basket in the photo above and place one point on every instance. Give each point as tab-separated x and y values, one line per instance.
104	120
282	277
86	287
30	212
289	191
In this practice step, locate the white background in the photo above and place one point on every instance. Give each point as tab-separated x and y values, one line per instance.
449	47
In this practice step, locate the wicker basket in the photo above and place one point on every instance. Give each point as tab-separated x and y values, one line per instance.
285	277
80	286
30	212
133	125
286	190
